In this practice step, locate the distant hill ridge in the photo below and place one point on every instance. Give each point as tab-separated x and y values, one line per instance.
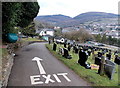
63	21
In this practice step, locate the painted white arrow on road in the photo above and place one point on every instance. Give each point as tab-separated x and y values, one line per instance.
41	69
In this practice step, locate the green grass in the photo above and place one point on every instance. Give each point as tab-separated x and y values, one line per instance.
31	39
89	75
3	51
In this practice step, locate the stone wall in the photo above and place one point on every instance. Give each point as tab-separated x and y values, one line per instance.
6	71
7	62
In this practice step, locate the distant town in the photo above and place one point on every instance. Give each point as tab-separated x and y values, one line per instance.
95	28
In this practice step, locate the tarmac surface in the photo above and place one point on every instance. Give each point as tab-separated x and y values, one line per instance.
34	65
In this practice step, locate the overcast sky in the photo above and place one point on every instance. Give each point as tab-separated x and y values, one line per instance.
76	7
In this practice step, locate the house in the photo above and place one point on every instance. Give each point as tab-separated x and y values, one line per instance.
113	34
46	33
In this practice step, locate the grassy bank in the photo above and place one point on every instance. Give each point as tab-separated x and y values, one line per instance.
30	39
89	75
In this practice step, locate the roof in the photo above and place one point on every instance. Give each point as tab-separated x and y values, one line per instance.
46	29
47	36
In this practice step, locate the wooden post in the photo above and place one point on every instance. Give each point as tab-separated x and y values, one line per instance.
102	65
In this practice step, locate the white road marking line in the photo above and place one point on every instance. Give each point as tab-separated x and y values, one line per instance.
56	77
41	69
64	75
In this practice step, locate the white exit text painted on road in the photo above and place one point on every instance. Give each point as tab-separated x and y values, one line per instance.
36	79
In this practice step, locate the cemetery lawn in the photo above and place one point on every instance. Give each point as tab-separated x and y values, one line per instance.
89	75
31	39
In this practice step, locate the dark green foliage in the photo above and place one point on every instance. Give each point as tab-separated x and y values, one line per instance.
107	40
17	14
10	16
29	30
58	32
104	39
29	12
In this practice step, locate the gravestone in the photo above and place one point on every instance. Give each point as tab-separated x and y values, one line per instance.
83	58
99	54
54	46
69	47
65	45
61	51
104	51
117	59
49	41
116	52
89	52
108	56
97	60
76	49
110	68
66	54
101	66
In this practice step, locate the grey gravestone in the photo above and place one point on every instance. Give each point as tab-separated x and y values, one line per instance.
110	68
99	54
108	56
74	48
61	51
116	52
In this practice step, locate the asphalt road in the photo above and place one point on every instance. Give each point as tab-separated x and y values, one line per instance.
52	72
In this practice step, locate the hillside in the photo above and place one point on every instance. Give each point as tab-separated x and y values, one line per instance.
53	18
91	16
66	21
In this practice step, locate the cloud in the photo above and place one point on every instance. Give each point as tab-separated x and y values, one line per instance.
75	7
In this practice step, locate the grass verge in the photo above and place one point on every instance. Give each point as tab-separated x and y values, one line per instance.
31	39
89	75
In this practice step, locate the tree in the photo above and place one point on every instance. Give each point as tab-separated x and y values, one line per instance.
82	35
29	30
110	40
98	37
10	16
17	14
41	25
104	39
29	11
118	42
58	32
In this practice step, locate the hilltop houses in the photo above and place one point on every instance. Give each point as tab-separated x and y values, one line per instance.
113	34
